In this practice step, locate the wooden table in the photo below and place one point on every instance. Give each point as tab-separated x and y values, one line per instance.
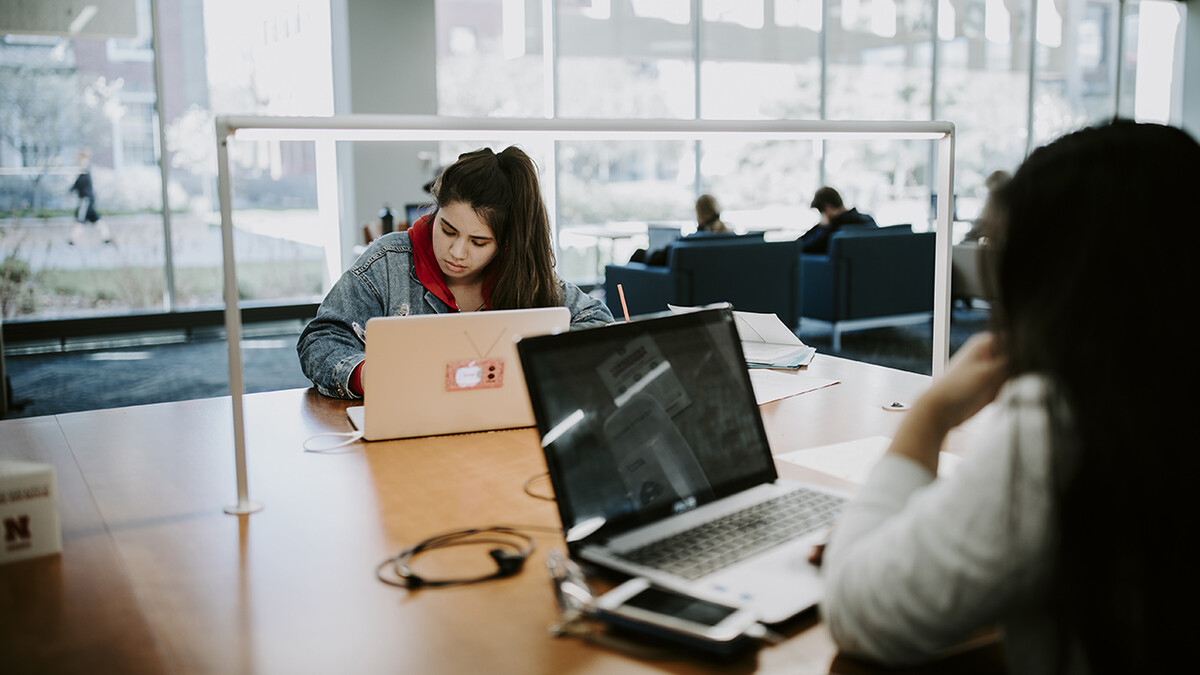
154	577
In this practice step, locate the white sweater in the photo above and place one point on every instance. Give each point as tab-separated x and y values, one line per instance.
917	563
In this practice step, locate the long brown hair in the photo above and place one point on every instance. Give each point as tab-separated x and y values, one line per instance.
503	191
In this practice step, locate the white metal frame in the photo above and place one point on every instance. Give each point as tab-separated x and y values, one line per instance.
433	128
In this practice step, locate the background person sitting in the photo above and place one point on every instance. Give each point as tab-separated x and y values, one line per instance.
708	215
708	220
834	216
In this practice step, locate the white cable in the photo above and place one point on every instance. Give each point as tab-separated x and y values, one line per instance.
350	437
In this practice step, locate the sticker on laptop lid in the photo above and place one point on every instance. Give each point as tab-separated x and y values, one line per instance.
474	374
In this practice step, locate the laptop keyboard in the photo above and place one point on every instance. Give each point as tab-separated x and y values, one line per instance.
719	543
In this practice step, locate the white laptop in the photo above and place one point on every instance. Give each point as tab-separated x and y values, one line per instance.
438	374
650	429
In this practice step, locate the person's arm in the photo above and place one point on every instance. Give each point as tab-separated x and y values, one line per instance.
816	240
915	564
586	311
331	348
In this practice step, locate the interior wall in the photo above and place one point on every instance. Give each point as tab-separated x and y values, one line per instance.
385	62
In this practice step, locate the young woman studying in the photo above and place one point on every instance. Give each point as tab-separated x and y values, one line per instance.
1068	526
487	246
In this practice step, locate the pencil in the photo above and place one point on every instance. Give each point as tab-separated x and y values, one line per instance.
624	307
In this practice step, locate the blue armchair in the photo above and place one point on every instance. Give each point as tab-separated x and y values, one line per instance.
744	270
869	278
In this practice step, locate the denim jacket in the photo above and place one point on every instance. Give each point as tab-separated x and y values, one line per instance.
383	282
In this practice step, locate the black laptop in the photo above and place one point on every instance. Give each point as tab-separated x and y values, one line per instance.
660	465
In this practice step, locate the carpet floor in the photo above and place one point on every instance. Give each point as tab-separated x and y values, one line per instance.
902	347
60	382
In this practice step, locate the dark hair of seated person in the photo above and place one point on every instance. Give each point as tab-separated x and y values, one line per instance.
1124	460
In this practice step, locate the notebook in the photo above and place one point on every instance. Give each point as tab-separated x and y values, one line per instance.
437	374
650	429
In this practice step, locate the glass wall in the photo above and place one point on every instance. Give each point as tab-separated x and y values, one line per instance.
1009	73
269	58
760	66
983	86
83	99
1076	70
880	67
621	60
80	188
490	59
625	60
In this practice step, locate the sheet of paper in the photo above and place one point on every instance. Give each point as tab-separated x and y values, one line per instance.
773	385
753	326
766	342
756	327
853	460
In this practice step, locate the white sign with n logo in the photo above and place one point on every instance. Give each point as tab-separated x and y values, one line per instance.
28	511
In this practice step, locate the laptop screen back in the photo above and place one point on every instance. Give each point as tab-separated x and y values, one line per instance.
644	419
451	373
661	236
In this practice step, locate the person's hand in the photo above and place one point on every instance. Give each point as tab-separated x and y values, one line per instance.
971	381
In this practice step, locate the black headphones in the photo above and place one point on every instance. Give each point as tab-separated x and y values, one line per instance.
514	547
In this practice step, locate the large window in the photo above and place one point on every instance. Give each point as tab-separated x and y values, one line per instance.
1093	61
77	130
1009	73
1076	68
756	66
490	59
88	101
272	58
625	60
879	61
983	86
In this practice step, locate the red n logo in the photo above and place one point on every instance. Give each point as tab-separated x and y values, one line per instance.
16	528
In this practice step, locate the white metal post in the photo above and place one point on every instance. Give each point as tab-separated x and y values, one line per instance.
943	242
233	324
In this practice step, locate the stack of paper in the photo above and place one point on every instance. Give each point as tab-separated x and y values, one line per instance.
766	342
